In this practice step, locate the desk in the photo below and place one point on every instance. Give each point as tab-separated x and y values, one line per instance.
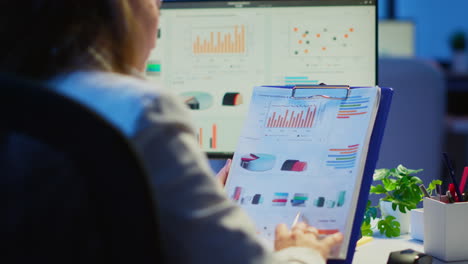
377	251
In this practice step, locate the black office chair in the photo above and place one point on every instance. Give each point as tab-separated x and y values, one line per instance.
74	189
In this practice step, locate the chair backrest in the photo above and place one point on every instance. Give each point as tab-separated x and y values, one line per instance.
415	130
75	190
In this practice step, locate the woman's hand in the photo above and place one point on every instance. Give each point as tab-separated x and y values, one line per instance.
302	235
223	173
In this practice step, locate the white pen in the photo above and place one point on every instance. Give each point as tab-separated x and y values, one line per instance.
296	219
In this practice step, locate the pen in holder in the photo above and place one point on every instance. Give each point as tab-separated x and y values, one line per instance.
445	232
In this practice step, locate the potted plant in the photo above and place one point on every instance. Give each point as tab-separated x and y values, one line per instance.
459	59
401	193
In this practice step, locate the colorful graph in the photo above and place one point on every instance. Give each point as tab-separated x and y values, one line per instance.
198	100
257	199
294	165
344	158
212	140
153	68
301	116
299	199
319	202
328	231
311	40
331	204
353	106
280	199
227	40
232	99
258	162
237	193
341	198
293	80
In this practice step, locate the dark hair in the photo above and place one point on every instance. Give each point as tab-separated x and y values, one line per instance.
44	38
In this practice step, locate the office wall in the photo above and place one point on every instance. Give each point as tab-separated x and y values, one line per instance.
435	21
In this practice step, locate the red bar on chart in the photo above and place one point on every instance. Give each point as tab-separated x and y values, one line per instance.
200	137
292	119
215	140
218	42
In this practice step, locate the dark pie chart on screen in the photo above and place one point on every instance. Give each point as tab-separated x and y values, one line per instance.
198	100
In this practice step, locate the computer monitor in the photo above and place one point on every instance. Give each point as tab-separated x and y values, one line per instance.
396	38
212	53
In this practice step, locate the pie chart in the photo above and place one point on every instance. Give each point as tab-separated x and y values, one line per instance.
198	100
258	162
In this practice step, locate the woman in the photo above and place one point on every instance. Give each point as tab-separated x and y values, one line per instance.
94	51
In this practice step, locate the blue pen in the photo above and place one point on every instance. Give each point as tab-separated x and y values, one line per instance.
452	175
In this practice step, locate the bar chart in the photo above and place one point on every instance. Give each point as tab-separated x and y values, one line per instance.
230	40
343	158
280	199
299	199
353	106
297	80
298	116
208	138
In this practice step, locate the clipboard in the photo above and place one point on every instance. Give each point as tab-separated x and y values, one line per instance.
323	91
342	92
371	163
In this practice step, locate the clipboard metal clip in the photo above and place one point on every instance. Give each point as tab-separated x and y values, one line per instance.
337	92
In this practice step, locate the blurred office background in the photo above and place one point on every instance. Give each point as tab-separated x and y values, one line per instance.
428	70
435	21
423	55
417	57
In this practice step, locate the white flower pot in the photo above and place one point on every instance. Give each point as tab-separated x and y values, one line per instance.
403	218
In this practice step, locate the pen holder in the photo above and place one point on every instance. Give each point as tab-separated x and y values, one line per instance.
445	230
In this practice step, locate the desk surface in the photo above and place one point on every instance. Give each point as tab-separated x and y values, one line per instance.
377	251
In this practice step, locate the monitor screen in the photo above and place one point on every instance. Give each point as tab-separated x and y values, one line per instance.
396	38
212	54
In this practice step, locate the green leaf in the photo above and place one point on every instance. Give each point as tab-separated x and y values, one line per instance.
402	208
434	183
367	218
366	229
433	186
381	174
411	172
389	226
402	170
379	189
368	204
389	184
371	213
416	180
394	175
